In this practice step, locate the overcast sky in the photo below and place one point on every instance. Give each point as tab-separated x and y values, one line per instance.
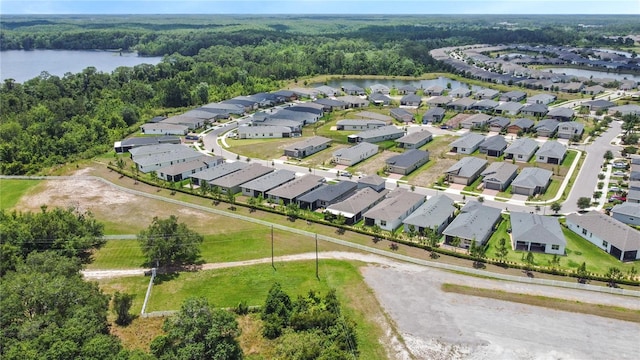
630	7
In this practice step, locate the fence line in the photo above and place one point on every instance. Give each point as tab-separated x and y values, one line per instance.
148	294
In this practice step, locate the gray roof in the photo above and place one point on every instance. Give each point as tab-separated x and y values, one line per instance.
626	109
514	94
496	142
469	140
381	131
329	192
627	208
359	122
542	97
330	102
434	111
297	187
200	114
411	98
538	108
477	119
357	203
529	227
400	112
467	166
270	180
462	102
408	158
607	228
327	90
415	137
600	103
552	149
499	172
548	124
264	129
441	100
177	155
487	92
374	116
188	165
149	140
163	126
356	151
510	106
571	126
523	123
379	88
524	146
374	180
463	91
312	141
499	121
157	149
486	103
532	177
377	96
241	176
561	111
232	108
475	221
219	170
433	213
397	203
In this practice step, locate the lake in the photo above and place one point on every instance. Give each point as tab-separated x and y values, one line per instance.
594	73
366	83
23	65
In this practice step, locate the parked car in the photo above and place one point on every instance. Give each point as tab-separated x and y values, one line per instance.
614	188
619	173
619	165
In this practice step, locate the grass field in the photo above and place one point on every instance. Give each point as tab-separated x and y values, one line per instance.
260	148
227	287
12	190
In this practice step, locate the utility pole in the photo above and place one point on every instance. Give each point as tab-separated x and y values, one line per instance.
272	264
317	275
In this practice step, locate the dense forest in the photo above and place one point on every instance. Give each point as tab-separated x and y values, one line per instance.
51	120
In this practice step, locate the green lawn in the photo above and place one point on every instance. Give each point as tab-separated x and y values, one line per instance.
228	287
552	190
12	190
260	148
118	254
568	160
136	285
578	250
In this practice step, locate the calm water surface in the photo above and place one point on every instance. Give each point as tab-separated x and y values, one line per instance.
23	65
365	83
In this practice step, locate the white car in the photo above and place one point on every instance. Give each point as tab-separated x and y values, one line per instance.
619	173
614	188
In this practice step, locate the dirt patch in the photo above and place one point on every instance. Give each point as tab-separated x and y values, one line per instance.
429	177
373	165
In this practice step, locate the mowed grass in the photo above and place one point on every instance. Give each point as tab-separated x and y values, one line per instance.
260	148
136	285
612	312
117	254
12	190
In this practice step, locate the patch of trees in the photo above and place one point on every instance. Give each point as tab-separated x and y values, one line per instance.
310	327
167	243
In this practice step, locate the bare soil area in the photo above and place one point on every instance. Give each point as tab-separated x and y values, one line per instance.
374	164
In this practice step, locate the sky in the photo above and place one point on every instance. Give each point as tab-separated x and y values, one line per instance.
415	7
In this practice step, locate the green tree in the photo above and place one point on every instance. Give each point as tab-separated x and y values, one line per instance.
556	207
120	164
608	155
199	332
478	253
121	306
529	260
455	242
502	251
582	273
613	275
169	243
583	203
276	312
231	199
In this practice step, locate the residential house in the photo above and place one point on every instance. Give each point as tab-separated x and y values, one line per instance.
466	170
379	88
486	94
531	181
434	215
306	92
356	124
551	152
411	100
610	235
461	104
493	146
390	212
287	94
403	115
546	127
407	162
630	109
223	108
508	108
379	99
410	89
374	182
353	155
246	103
561	114
532	232
434	90
184	170
327	91
593	90
498	123
191	122
572	87
567	130
355	205
534	110
439	101
259	186
154	157
415	139
498	175
476	222
231	183
353	102
434	115
263	132
520	125
628	213
331	104
475	121
388	120
596	105
289	192
217	171
377	135
353	90
134	142
326	195
307	147
544	99
164	129
484	105
467	143
460	92
514	96
521	149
